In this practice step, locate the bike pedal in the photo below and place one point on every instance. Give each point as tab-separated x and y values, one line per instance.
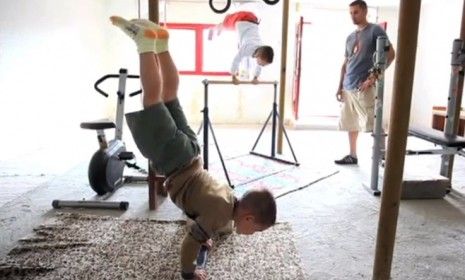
126	155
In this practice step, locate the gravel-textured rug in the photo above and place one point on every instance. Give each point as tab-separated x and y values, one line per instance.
75	246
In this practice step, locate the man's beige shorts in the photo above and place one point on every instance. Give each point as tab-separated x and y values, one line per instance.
357	111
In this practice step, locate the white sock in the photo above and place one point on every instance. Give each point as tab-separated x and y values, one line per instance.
146	38
161	43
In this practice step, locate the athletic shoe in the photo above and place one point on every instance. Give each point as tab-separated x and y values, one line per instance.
347	160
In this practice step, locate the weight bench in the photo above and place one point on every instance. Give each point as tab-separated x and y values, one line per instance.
430	186
450	144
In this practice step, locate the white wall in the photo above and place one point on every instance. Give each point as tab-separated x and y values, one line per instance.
323	41
51	52
439	26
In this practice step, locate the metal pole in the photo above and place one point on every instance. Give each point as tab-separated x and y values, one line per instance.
261	131
123	73
154	185
382	45
273	122
451	126
117	205
205	125
220	155
154	11
409	14
458	104
282	83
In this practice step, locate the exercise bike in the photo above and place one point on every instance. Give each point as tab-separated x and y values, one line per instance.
107	165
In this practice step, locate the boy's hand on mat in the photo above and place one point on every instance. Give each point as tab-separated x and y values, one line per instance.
208	244
200	274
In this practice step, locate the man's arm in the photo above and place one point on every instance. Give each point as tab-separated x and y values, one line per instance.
341	80
390	55
373	77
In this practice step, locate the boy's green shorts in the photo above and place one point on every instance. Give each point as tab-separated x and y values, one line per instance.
163	136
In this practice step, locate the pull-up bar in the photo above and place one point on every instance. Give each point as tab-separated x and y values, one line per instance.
206	124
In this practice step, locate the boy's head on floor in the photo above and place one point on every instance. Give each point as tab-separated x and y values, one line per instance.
264	55
255	211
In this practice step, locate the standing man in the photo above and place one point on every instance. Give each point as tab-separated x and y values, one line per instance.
356	88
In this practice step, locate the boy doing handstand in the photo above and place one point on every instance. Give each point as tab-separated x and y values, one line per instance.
162	134
250	45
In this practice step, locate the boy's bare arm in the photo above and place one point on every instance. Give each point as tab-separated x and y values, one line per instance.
235	63
257	72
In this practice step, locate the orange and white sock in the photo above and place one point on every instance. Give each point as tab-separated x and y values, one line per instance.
147	38
161	43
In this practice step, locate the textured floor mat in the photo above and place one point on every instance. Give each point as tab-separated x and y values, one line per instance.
75	246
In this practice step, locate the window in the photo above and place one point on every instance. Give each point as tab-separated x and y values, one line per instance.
194	54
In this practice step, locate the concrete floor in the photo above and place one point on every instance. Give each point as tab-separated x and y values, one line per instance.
335	221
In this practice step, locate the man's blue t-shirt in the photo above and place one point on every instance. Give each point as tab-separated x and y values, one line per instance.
360	47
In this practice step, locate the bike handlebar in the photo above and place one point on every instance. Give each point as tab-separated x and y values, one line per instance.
99	81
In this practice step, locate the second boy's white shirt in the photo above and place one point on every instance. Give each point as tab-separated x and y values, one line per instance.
249	41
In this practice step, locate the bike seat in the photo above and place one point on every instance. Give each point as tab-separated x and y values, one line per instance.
99	124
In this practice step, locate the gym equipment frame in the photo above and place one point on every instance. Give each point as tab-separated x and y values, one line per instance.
107	165
449	141
382	47
274	116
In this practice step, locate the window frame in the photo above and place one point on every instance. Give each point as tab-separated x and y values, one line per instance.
199	29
